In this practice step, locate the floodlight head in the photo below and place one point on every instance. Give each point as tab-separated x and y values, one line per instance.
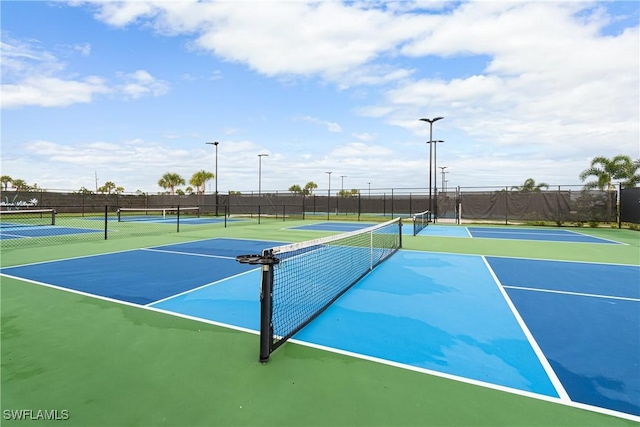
432	120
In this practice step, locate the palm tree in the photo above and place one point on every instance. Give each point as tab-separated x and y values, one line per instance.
606	170
107	187
171	180
6	180
296	189
530	185
632	177
19	184
199	180
309	187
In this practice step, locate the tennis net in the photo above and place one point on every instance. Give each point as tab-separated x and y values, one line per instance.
299	281
420	221
155	214
27	218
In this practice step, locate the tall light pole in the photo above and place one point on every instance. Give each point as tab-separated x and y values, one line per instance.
431	122
435	180
442	168
329	195
215	176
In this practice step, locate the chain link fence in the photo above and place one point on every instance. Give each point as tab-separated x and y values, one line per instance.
81	216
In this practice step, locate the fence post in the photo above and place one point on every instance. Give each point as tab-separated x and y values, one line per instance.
559	216
392	203
618	204
384	204
506	205
106	220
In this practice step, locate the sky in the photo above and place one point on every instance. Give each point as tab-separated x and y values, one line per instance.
127	91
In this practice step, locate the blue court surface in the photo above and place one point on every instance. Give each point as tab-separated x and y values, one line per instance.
563	330
41	231
511	233
545	234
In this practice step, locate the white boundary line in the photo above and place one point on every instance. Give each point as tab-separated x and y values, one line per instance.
580	294
131	250
201	287
68	259
131	304
564	396
470	381
515	257
346	353
601	238
186	253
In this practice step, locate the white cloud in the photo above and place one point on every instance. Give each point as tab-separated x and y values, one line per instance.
552	81
366	137
331	126
141	83
33	76
51	92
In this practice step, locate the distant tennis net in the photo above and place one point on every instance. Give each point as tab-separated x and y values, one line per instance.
299	281
420	221
155	214
27	218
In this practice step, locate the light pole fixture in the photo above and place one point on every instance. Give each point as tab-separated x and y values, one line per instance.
329	195
442	168
435	163
215	176
341	192
435	180
431	122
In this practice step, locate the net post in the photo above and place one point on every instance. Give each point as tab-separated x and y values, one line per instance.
400	231
266	310
106	219
177	219
53	217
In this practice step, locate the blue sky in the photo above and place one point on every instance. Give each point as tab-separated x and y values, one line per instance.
127	91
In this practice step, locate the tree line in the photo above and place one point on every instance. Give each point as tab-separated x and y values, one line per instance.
601	173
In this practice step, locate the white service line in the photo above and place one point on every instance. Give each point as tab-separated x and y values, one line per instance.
536	348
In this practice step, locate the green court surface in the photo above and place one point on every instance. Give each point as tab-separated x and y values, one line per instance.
110	364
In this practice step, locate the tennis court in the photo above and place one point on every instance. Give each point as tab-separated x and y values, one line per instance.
39	231
27	224
543	340
514	233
